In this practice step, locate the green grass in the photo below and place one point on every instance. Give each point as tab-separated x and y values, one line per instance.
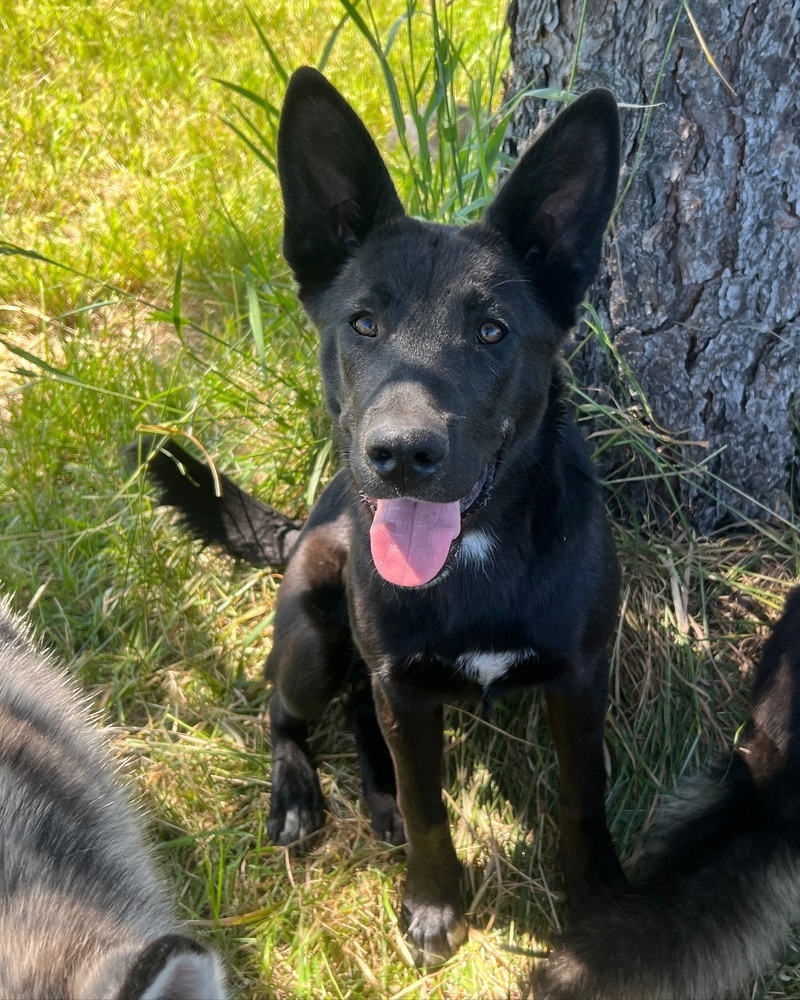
119	165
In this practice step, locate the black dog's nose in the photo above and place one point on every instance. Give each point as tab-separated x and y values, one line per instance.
406	456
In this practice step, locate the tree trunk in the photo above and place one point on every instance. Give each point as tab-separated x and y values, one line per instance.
702	294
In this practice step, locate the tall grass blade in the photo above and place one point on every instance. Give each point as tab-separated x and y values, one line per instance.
388	77
257	150
177	319
277	65
330	44
249	95
256	323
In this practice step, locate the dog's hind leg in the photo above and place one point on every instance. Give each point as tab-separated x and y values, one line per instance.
377	769
577	718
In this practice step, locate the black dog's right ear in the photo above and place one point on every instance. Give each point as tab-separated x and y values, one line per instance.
556	203
335	185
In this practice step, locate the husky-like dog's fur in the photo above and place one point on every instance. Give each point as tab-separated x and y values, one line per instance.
83	914
724	883
463	550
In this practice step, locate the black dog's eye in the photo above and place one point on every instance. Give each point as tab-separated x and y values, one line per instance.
491	332
365	325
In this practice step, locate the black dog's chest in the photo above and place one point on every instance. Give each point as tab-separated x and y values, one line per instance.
482	669
472	631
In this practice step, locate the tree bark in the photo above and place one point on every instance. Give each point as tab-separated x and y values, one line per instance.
702	293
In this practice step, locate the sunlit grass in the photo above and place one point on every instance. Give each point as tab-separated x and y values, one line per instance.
116	157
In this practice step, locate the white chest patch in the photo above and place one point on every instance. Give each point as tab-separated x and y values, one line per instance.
476	548
488	667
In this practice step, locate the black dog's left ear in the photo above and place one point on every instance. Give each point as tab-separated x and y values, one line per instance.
335	186
556	204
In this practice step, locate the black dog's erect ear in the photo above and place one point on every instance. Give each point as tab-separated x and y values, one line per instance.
556	204
335	185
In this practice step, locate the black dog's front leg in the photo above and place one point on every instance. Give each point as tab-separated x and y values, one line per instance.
296	805
588	859
432	914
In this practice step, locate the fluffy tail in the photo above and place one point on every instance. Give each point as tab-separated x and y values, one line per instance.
214	509
724	885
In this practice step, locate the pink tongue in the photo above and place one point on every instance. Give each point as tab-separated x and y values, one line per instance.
410	539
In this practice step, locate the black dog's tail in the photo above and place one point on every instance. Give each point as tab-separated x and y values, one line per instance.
724	886
214	509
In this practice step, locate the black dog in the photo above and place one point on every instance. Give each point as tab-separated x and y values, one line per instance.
723	889
463	550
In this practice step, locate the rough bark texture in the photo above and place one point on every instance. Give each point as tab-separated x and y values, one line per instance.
703	299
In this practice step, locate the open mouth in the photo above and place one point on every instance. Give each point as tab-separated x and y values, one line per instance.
411	539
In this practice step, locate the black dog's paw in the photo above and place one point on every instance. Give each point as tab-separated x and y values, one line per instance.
297	806
385	818
434	931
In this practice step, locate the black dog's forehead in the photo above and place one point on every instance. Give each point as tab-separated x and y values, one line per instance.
417	262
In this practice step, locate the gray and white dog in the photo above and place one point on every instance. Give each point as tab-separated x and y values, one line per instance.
83	913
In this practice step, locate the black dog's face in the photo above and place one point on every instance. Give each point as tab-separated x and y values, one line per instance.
433	349
437	343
